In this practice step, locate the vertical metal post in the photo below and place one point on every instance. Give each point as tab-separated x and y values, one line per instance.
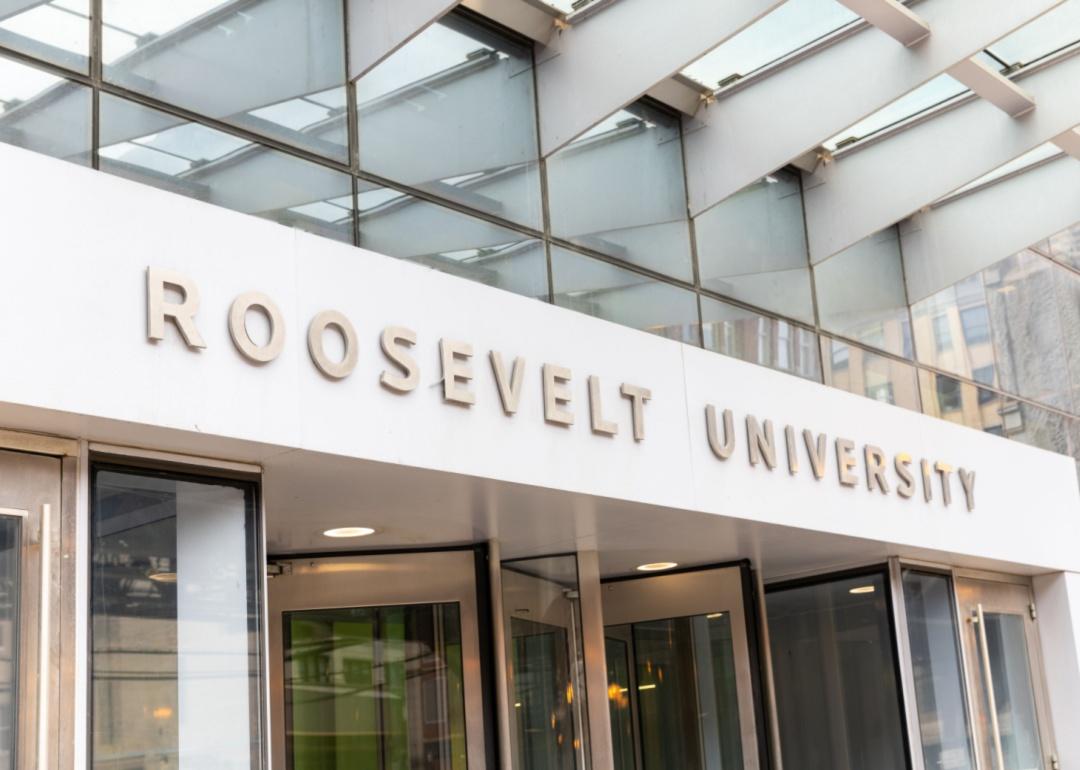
502	681
592	633
907	670
988	683
770	676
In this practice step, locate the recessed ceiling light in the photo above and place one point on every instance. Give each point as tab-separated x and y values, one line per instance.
862	590
349	532
715	615
163	577
657	566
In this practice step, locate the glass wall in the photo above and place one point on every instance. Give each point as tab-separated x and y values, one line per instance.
174	621
10	590
546	667
836	676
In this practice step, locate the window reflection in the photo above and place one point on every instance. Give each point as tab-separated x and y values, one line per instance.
590	286
619	190
10	589
752	247
44	113
750	336
191	159
861	295
453	113
868	374
274	67
56	31
1065	247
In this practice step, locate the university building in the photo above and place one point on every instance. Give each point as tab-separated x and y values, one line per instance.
537	385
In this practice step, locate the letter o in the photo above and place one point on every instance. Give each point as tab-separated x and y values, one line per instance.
336	370
238	327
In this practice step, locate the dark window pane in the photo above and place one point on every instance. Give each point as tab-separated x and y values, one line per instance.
159	149
174	621
44	113
275	67
838	698
453	113
10	588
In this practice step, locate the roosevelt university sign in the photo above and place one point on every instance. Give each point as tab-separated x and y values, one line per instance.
882	473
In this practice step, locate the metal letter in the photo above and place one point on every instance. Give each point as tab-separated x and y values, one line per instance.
510	395
457	372
875	469
638	396
557	393
596	410
336	370
967	481
182	314
816	451
906	487
845	461
259	354
944	469
393	339
722	451
792	457
927	490
761	443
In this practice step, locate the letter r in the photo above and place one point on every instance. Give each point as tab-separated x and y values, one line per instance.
182	313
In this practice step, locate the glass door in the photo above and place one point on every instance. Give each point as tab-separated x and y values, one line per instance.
375	663
680	687
1001	650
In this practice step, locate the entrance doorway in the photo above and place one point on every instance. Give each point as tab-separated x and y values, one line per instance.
375	662
1004	674
680	683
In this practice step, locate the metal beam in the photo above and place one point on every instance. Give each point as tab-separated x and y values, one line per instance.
883	182
377	28
534	21
993	86
1070	142
596	67
892	18
761	126
947	243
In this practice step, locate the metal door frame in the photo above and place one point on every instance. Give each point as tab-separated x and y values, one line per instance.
426	577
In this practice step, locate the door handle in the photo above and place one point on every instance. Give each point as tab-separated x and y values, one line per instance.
988	681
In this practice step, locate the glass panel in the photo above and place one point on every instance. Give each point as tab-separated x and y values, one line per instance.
1039	154
752	247
861	295
547	668
838	698
453	113
859	371
619	189
155	148
1050	32
756	338
1065	247
937	668
403	226
794	25
44	113
10	557
174	622
606	291
619	688
275	67
375	688
56	31
1013	691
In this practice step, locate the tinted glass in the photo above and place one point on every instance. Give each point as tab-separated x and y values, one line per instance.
868	374
1065	247
617	652
44	113
937	668
837	694
10	586
56	31
403	226
1014	695
860	294
174	622
191	159
375	687
453	112
590	286
619	189
547	669
752	247
759	339
275	67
